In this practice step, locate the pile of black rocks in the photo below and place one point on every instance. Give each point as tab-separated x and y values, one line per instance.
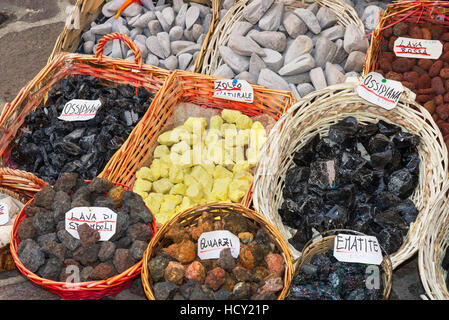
358	177
47	146
49	250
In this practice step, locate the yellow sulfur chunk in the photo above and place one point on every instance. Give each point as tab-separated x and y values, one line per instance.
142	185
144	173
165	169
243	122
230	115
211	137
220	188
161	218
196	125
235	193
175	199
194	192
181	133
242	138
160	151
215	152
197	152
186	159
189	180
156	169
257	125
208	166
153	201
180	147
185	204
179	188
261	141
252	155
221	172
216	122
142	194
234	154
229	131
167	207
168	138
162	186
203	178
241	166
176	174
244	176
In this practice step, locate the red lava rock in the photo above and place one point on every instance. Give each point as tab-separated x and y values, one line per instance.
425	63
386	33
444	127
402	65
185	251
435	68
394	76
275	263
426	34
391	43
390	56
123	260
446	97
430	106
415	32
423	98
445	36
174	272
436	30
419	70
444	73
438	85
446	47
435	117
411	76
400	29
102	272
425	91
215	278
196	271
445	57
87	235
409	85
384	45
439	99
385	64
446	141
443	111
424	81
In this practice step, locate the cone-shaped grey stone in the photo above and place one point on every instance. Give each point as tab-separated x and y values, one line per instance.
309	19
302	44
236	62
271	20
256	9
270	39
245	46
299	65
272	80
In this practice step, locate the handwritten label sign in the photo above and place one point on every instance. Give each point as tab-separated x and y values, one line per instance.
417	48
211	243
358	249
80	110
99	218
237	90
380	91
4	213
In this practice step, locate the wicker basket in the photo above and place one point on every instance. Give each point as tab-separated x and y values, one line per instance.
20	185
314	114
432	249
184	86
189	218
69	40
212	60
324	242
110	70
89	290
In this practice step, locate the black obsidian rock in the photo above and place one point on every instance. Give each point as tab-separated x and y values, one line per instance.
357	177
47	146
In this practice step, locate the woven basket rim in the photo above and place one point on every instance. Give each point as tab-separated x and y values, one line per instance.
229	207
59	287
344	96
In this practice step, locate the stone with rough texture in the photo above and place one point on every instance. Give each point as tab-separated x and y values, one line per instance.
326	17
299	65
176	33
333	74
304	89
298	78
255	65
271	20
155	27
164	41
184	60
192	15
293	25
273	59
171	63
152	60
270	79
355	61
340	54
102	29
180	19
245	75
224	71
178	46
334	33
155	47
254	11
371	16
301	45
355	39
318	79
169	15
324	51
271	40
309	19
236	62
241	28
197	30
164	24
245	46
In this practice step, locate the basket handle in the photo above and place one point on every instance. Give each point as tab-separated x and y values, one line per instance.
124	38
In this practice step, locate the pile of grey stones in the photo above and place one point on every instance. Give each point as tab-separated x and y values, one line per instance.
369	11
298	50
169	34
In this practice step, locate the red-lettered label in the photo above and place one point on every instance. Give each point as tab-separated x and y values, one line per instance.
80	110
357	249
102	219
4	213
211	243
418	48
237	90
380	91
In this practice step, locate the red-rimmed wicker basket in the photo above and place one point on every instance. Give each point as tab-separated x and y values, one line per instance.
198	89
111	71
20	185
89	290
190	218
